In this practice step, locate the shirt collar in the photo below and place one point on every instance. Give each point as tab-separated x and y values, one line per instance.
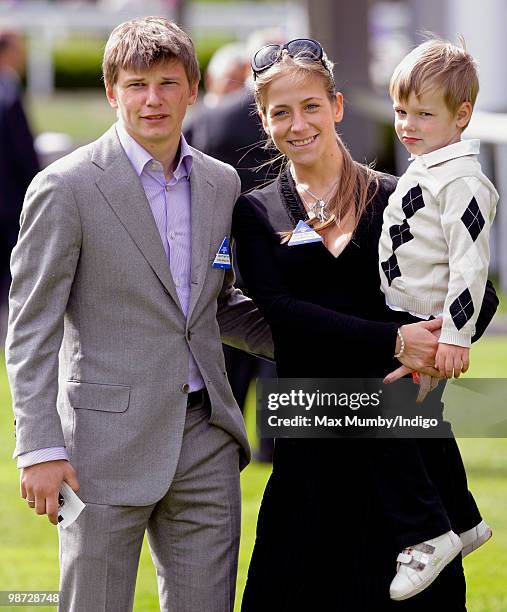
452	151
139	156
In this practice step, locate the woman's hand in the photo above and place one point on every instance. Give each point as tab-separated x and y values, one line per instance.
427	384
420	346
421	343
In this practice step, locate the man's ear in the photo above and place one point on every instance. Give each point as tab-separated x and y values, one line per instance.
464	115
194	90
111	96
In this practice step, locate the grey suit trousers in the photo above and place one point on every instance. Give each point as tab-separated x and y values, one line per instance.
193	533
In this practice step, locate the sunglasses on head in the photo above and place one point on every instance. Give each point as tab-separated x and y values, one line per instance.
304	48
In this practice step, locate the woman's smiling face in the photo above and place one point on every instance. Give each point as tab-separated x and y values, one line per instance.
300	117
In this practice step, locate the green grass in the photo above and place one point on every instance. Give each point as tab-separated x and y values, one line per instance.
84	115
488	358
29	559
29	544
486	463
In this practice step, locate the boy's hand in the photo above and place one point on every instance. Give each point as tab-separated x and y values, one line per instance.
452	360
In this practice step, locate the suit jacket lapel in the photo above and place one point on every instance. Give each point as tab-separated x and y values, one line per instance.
203	195
123	191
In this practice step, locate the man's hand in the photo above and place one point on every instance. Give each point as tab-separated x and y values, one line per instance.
452	360
41	482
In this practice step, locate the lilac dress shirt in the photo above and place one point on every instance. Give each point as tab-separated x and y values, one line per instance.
170	203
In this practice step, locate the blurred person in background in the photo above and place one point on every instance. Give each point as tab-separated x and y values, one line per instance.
18	159
225	73
228	127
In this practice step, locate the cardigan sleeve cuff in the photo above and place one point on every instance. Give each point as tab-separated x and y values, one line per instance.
458	338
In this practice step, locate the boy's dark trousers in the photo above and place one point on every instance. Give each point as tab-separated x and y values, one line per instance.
423	484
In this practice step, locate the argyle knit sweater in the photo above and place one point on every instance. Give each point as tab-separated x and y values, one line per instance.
434	246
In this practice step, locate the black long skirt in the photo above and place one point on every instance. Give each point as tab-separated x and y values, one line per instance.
324	543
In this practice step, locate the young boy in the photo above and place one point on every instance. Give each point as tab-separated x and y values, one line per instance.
434	247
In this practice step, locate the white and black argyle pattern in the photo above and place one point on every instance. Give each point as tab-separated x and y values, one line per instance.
391	268
400	234
434	247
462	309
411	202
473	220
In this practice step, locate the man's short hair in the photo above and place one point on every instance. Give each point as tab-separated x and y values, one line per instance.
139	44
438	64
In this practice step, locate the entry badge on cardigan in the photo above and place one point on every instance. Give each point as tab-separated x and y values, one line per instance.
223	256
303	234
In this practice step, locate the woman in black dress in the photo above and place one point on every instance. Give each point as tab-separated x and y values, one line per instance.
327	537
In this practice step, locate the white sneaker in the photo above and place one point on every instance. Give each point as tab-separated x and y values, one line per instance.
475	537
419	565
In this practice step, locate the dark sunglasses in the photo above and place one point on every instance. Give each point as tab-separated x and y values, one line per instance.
305	48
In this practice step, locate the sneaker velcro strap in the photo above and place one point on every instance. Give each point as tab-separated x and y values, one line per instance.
404	558
424	548
416	562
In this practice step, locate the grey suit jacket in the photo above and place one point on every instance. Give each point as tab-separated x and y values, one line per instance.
98	346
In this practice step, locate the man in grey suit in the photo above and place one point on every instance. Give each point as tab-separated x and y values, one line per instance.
117	309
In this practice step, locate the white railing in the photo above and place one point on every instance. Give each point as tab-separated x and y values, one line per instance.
46	22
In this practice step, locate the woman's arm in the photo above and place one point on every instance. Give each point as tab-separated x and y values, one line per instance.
255	244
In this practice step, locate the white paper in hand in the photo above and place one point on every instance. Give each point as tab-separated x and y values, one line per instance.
70	506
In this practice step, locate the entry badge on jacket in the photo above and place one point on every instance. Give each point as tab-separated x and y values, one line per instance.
303	234
223	256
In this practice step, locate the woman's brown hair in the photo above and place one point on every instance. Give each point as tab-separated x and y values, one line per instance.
358	183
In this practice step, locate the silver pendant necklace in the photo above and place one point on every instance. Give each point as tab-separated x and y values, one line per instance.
319	208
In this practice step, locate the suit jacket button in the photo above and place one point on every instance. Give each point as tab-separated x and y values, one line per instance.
185	388
189	335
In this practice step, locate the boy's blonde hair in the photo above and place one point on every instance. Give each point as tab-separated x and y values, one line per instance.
438	64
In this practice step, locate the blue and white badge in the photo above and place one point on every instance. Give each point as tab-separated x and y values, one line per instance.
223	256
303	234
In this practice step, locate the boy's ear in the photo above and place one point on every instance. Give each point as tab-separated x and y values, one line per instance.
265	124
464	115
